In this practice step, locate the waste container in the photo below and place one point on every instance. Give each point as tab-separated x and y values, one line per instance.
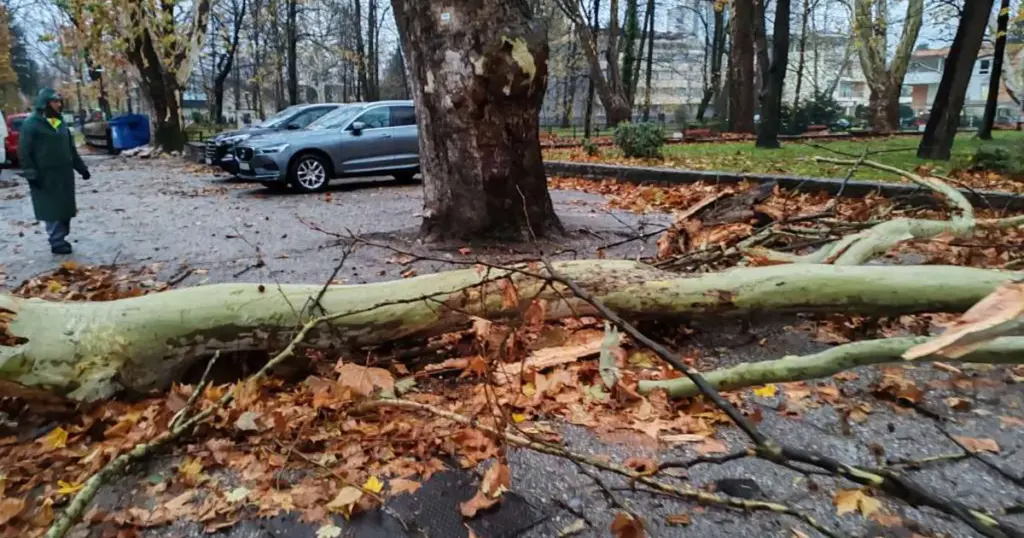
129	131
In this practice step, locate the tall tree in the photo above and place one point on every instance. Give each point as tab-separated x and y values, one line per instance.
21	59
937	142
10	100
588	114
885	79
649	74
234	12
715	47
609	87
995	80
771	104
741	68
478	108
361	65
628	49
292	42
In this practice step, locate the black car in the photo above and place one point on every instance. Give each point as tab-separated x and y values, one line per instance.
219	148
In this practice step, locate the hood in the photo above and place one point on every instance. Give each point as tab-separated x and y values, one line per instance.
44	96
290	137
248	130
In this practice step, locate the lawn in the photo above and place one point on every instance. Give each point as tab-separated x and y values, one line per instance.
798	158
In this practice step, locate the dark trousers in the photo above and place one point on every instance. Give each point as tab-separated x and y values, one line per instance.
58	231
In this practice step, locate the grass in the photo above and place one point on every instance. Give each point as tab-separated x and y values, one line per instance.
797	158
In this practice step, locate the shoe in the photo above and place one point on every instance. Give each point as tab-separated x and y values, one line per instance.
64	249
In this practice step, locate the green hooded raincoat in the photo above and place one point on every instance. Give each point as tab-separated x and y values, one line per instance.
49	160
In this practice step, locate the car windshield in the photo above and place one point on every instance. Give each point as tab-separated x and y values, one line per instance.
279	118
335	119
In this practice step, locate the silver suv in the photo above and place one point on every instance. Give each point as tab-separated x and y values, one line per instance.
359	139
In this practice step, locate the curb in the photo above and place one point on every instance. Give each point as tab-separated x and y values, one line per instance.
854	188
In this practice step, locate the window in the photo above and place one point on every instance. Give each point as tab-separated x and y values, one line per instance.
846	90
906	91
307	117
403	115
985	67
376	118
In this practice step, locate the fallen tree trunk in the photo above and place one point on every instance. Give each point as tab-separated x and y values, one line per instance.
1006	350
87	351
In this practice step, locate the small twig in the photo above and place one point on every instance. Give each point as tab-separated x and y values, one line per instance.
715	460
183	413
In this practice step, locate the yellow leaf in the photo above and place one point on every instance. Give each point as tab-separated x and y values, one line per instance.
373	485
529	390
192	468
65	488
518	417
68	265
53	286
767	391
851	500
57	438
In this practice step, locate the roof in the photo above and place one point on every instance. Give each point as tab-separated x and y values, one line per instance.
986	50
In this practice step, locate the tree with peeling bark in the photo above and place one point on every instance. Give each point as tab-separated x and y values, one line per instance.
610	87
229	31
885	77
479	74
944	121
771	103
996	80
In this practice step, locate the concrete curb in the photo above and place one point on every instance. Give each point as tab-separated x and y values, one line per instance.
854	188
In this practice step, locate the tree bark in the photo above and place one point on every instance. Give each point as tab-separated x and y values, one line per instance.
939	134
885	80
292	36
610	88
361	63
226	63
628	50
87	351
762	59
478	106
994	85
648	75
717	46
802	54
771	105
741	68
1007	350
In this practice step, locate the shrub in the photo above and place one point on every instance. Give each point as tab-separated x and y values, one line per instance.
997	158
822	109
642	140
591	148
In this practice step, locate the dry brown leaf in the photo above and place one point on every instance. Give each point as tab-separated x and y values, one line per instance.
989	318
976	445
679	519
547	358
495	482
626	526
855	500
345	500
711	446
10	508
1011	422
645	466
402	485
364	380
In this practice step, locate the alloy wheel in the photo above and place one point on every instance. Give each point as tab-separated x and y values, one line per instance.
311	174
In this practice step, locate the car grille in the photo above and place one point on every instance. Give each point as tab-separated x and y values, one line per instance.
214	151
244	154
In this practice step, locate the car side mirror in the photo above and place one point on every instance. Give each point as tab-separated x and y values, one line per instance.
358	126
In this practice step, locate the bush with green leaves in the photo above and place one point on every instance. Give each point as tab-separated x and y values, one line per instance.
821	109
998	158
591	148
640	140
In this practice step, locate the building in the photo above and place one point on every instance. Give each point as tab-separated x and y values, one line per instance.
925	73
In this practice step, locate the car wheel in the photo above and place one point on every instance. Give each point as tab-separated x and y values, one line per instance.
309	174
406	177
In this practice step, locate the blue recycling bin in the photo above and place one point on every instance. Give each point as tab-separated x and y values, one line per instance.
129	131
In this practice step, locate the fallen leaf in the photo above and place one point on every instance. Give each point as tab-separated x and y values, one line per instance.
57	438
66	488
1011	422
401	485
518	418
373	485
711	446
364	380
645	466
854	500
627	526
679	519
191	469
958	404
767	391
10	508
247	422
328	531
495	482
238	494
976	445
992	316
345	500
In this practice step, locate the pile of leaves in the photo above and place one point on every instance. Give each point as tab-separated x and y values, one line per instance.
712	218
74	282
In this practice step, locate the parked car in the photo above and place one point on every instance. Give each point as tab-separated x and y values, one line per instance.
219	148
359	139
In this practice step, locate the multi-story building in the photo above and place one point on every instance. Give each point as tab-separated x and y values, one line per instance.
925	73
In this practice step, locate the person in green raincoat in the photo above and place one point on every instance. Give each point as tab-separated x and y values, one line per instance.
49	160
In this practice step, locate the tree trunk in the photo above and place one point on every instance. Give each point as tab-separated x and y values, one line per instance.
717	46
588	119
627	49
802	56
88	350
944	121
648	75
478	113
771	105
364	81
885	79
292	36
994	84
373	52
763	61
741	68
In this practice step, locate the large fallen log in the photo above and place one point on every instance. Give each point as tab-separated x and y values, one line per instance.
87	351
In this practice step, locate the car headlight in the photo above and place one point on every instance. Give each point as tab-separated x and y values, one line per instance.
271	149
232	140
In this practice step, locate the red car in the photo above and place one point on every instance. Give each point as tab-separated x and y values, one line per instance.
14	122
